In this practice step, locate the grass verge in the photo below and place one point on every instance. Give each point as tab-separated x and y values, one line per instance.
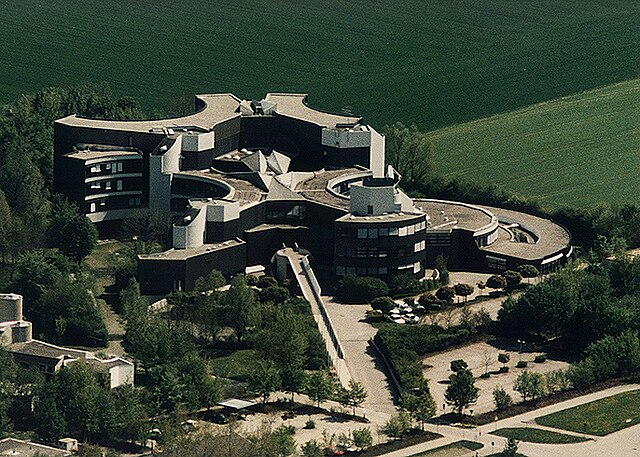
536	435
600	417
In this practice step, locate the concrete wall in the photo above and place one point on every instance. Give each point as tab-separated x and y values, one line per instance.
382	199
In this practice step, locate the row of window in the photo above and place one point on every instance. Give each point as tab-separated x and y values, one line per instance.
103	204
113	167
375	252
438	239
377	271
106	185
298	212
380	232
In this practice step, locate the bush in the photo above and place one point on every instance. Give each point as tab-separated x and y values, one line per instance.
384	304
267	281
522	364
403	285
310	424
501	398
356	289
446	293
404	345
540	358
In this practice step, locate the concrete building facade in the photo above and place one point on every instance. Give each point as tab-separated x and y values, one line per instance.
243	177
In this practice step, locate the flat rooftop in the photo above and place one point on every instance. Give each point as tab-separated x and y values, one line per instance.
316	187
551	237
41	349
448	215
18	448
183	254
88	155
218	108
390	217
295	106
243	190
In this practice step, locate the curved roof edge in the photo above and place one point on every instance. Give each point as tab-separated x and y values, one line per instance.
217	108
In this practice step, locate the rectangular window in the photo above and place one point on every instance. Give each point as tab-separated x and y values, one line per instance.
92	208
383	232
382	271
373	233
107	185
416	267
119	167
383	253
362	253
351	252
370	209
103	203
351	270
95	185
119	184
372	271
393	231
362	233
340	271
361	271
340	251
95	169
107	166
373	252
402	231
411	229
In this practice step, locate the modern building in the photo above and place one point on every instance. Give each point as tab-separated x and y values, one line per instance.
245	177
16	335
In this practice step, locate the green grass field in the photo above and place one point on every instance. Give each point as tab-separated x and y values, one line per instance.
599	417
536	435
577	150
433	62
457	449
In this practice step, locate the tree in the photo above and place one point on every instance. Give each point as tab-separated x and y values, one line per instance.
458	365
510	448
461	391
421	407
501	398
530	385
528	271
408	151
264	379
353	396
441	266
397	426
131	417
212	281
319	387
463	290
71	231
362	438
513	279
293	380
497	282
312	449
132	305
446	293
241	306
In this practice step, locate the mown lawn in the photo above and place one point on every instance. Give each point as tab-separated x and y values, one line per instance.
434	62
234	365
599	417
459	448
536	435
577	150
